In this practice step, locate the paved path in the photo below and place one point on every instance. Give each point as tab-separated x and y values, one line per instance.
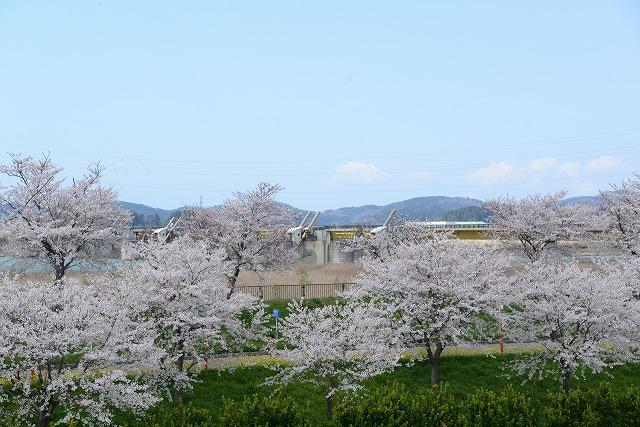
261	358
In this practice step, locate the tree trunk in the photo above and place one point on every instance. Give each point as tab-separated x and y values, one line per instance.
566	380
59	271
43	415
177	395
232	282
59	263
435	365
434	359
330	407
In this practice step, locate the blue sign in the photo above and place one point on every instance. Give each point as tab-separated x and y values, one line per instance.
276	313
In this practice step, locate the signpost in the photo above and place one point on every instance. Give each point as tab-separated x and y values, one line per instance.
276	315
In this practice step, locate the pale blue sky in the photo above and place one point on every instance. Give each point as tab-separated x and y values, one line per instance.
343	103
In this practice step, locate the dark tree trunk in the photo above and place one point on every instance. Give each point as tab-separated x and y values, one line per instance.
43	415
434	359
59	271
177	395
435	365
566	380
330	407
330	387
232	282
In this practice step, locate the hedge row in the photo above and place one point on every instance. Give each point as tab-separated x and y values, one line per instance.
394	406
602	406
437	406
251	412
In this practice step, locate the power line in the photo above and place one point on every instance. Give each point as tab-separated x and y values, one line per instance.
517	144
359	190
429	168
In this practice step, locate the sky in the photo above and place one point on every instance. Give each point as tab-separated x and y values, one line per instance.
342	103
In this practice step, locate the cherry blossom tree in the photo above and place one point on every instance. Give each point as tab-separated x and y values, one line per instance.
622	206
187	307
44	218
388	239
538	221
583	318
336	347
437	286
73	349
250	228
621	221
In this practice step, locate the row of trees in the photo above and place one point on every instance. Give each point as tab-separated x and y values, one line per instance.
120	340
46	218
421	287
127	339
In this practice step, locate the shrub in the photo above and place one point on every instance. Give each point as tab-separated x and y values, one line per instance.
176	416
510	408
601	406
392	405
260	411
629	407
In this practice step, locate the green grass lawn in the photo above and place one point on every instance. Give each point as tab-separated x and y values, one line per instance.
462	373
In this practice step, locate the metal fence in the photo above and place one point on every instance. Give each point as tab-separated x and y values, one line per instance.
309	290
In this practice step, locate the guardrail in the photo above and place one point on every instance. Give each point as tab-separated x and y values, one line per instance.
308	290
454	226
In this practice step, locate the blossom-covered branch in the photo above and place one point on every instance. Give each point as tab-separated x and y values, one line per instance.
336	347
44	218
250	228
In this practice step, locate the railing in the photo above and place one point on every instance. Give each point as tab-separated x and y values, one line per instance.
309	290
453	226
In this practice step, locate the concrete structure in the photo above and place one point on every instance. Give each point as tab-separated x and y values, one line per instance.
467	230
141	234
322	245
325	245
162	234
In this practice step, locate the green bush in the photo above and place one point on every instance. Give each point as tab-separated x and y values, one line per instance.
177	416
510	408
392	405
629	407
601	406
260	411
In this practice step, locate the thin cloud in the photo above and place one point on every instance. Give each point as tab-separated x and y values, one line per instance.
570	169
355	171
603	163
494	173
543	164
543	167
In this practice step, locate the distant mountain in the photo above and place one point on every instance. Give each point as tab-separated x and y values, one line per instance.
469	213
419	208
147	216
581	200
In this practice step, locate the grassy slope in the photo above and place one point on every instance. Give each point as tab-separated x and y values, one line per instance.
463	373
